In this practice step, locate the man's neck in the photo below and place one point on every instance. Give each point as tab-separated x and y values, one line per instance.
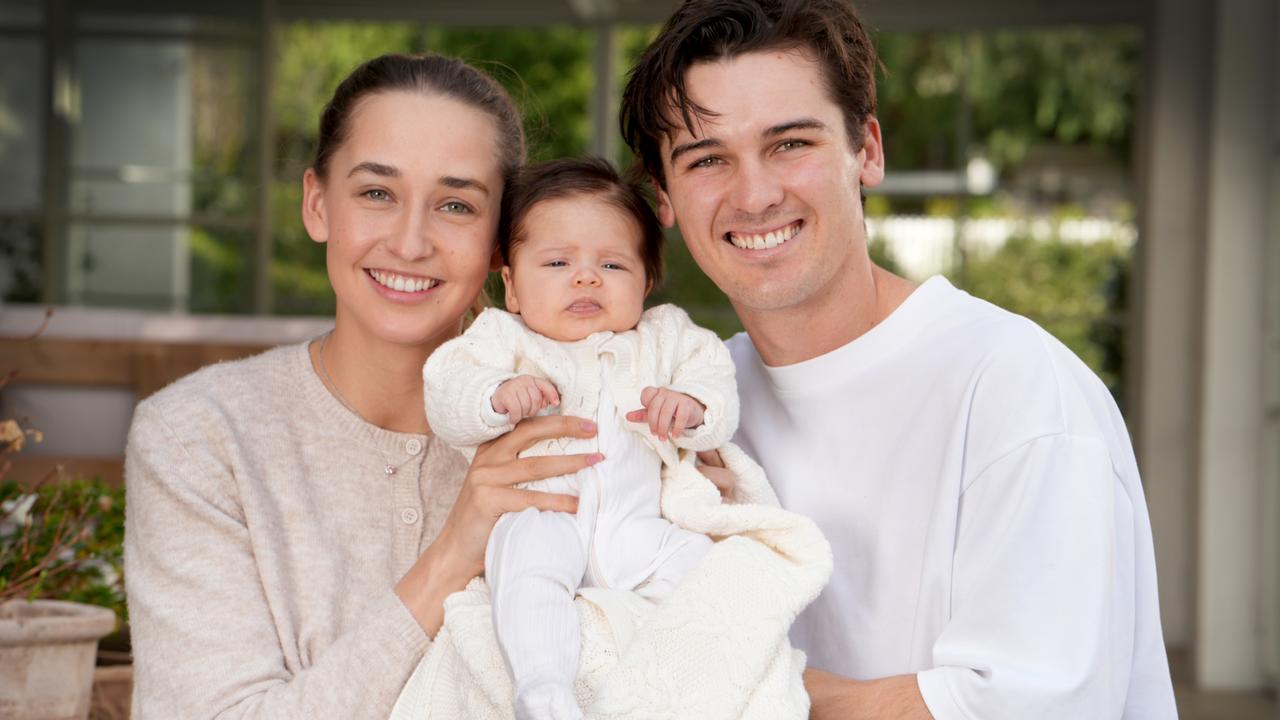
865	296
379	380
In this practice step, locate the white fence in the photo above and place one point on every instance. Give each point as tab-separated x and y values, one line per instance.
924	246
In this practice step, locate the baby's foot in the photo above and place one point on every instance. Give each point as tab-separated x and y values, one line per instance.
548	702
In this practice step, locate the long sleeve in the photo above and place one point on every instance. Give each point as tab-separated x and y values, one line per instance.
699	366
460	376
1043	599
206	641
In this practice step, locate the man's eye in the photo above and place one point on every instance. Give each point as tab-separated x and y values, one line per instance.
377	194
706	162
454	206
792	144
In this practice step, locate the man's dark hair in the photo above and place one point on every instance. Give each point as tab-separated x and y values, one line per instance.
571	177
655	101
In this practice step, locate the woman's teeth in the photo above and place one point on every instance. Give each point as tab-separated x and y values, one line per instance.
400	283
748	241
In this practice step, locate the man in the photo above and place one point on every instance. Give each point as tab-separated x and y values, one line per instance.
993	554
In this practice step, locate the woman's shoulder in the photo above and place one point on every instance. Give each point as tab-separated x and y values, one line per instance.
250	387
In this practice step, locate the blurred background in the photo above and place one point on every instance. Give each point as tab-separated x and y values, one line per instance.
1109	168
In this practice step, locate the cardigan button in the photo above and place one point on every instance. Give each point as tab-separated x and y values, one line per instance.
409	516
413	446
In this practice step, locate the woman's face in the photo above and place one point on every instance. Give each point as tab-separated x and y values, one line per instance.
408	211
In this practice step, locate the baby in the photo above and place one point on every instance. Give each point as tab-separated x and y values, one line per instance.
581	249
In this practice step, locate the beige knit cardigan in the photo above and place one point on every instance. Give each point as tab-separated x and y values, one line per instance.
263	541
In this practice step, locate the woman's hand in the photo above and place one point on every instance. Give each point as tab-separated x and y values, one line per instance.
710	465
457	554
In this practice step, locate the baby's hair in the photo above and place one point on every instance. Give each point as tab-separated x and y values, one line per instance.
571	177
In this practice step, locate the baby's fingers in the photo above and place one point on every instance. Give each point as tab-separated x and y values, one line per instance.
550	396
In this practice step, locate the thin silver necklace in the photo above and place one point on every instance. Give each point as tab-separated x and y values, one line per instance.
390	468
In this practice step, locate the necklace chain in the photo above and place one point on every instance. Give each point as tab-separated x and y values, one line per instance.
389	468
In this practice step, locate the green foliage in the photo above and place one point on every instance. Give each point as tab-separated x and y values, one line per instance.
63	540
1013	89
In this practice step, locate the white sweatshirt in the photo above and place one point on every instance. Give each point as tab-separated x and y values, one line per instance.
983	505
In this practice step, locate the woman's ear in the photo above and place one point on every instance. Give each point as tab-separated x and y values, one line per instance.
314	218
509	290
495	260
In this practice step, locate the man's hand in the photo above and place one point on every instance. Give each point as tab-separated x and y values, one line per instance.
668	413
712	466
523	396
833	697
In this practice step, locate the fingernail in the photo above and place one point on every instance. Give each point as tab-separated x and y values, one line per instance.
588	426
594	458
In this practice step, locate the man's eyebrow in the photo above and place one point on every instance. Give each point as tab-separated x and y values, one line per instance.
376	169
801	124
689	147
458	183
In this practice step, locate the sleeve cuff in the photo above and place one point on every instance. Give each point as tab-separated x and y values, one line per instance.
491	417
936	691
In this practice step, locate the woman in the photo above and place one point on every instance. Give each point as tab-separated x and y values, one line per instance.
293	527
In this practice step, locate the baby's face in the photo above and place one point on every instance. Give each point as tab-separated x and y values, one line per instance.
578	270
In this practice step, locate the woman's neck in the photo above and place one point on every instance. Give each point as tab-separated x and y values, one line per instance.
378	380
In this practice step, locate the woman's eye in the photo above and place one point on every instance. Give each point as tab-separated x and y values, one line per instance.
454	206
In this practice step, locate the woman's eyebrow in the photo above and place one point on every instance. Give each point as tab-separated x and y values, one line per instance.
375	168
458	183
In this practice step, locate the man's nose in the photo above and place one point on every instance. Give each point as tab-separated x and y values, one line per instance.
755	188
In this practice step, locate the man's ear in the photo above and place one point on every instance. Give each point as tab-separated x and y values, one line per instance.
872	173
314	217
666	215
509	289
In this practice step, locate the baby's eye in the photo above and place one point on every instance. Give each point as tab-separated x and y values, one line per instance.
556	263
613	266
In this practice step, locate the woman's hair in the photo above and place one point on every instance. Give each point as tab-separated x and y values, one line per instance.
656	101
429	74
588	178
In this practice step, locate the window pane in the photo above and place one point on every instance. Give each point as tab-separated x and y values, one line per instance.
21	124
21	12
21	266
160	266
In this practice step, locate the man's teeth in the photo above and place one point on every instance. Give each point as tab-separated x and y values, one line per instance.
400	283
748	241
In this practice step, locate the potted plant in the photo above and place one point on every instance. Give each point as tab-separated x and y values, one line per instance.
60	588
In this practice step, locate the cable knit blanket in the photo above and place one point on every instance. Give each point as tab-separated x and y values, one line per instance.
715	649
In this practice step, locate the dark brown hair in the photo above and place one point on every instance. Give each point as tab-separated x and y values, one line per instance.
656	102
429	74
570	177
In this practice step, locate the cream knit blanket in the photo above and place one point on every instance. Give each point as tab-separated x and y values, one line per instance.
715	649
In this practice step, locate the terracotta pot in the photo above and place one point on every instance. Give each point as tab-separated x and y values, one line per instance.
47	652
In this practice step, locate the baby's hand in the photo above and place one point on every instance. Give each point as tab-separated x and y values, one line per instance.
523	396
669	413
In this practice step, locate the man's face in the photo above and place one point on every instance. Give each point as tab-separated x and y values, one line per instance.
766	190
